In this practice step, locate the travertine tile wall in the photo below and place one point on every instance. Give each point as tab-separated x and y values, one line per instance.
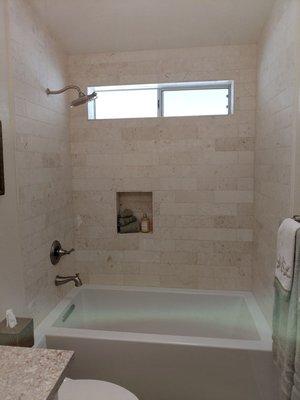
200	170
11	283
42	154
274	152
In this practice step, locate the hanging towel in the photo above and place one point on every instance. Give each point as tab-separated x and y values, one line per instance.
294	325
286	254
286	328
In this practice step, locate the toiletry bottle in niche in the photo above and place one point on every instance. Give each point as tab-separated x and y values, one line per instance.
145	224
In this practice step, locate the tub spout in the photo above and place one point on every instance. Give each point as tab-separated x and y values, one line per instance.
61	280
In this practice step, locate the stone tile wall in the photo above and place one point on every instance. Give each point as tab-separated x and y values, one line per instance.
11	283
42	151
200	170
277	103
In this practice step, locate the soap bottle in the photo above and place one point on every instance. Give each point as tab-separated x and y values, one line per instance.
145	224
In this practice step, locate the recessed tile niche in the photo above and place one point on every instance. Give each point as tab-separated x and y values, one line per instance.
139	203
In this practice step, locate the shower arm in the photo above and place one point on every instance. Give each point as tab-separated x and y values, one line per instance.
74	87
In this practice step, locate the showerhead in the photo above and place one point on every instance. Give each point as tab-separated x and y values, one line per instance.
82	97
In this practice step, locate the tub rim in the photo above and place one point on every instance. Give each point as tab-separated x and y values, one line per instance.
46	328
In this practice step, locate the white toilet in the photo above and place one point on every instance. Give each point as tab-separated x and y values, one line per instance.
85	389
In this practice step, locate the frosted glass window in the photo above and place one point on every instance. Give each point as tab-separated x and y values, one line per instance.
126	104
162	100
178	103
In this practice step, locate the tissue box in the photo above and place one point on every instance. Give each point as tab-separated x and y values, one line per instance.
21	335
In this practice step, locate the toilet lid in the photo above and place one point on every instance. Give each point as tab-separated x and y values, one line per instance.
85	389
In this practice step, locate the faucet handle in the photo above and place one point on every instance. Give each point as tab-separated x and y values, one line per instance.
57	252
63	252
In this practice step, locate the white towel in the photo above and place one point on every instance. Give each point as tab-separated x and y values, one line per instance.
286	241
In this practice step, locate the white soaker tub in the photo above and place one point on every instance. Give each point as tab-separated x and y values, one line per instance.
166	344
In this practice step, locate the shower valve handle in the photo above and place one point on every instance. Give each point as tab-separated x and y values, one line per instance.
63	252
57	252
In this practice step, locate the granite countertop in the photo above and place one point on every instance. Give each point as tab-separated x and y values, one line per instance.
31	374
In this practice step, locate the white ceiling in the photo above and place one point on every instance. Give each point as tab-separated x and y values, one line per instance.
91	26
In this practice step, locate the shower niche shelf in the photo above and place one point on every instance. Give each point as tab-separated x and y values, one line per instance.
139	203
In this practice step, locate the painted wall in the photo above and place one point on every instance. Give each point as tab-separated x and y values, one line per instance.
38	205
277	141
200	170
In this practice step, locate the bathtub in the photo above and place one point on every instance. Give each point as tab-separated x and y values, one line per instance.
166	344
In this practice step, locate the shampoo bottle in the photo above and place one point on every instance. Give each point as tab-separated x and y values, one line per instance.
145	224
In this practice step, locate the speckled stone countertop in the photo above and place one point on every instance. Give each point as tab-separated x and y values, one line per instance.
31	374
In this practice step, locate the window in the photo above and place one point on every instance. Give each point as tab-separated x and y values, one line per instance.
162	100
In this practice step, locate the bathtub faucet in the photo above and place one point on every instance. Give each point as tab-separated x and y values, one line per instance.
61	280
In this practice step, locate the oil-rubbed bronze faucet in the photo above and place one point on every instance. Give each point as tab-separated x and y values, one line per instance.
56	252
61	280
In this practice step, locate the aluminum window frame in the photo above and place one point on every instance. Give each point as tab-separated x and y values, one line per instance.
165	87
